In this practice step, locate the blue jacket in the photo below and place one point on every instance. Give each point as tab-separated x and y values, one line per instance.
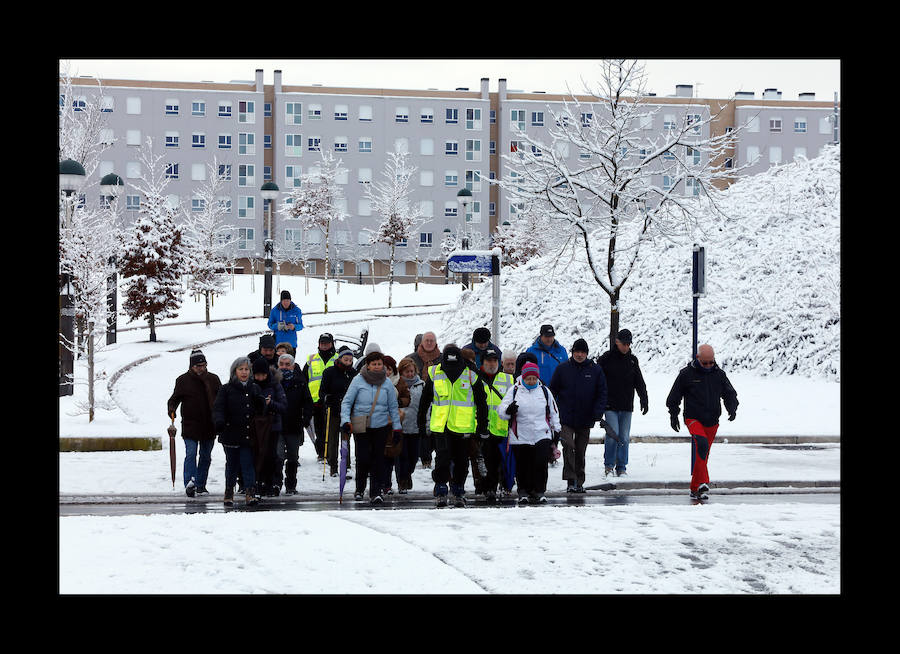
479	353
358	401
580	392
548	358
292	315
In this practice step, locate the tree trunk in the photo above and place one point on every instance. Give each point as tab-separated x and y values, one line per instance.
152	328
207	307
327	262
391	276
613	317
90	370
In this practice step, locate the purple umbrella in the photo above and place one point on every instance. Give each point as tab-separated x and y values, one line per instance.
345	455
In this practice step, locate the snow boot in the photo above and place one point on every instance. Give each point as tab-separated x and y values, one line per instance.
191	488
440	493
229	497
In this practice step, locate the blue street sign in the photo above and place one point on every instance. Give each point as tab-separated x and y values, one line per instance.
471	261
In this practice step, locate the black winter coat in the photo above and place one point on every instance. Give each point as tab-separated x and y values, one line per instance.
702	391
299	404
234	409
580	392
335	382
196	394
623	378
271	388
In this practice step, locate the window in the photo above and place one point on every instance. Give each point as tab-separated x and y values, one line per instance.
198	108
224	109
799	152
451	147
224	204
132	203
692	119
451	209
224	141
426	116
246	143
245	238
473	180
172	171
426	178
293	238
171	139
246	175
517	119
451	178
775	125
133	137
729	162
492	208
800	125
107	104
492	147
473	150
340	143
198	140
267	173
132	105
314	112
426	208
197	204
365	113
311	266
171	106
669	122
493	115
267	141
517	146
825	126
401	115
225	172
267	109
247	111
401	145
340	112
426	147
692	156
537	118
363	238
364	207
753	124
364	175
246	206
536	151
473	118
668	182
587	119
473	212
647	121
107	136
402	243
752	154
292	176
293	145
774	154
293	113
451	116
692	186
365	144
314	143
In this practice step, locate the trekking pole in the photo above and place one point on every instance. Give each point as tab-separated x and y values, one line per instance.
327	429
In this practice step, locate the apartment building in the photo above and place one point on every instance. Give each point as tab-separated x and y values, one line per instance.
455	139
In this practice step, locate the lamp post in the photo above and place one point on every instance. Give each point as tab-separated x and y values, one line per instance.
464	197
269	191
71	177
110	187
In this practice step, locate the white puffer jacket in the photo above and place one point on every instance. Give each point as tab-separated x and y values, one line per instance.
531	419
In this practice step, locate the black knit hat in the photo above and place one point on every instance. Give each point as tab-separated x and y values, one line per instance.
481	335
267	340
285	295
490	353
580	345
326	338
452	353
197	357
260	365
344	350
547	330
624	336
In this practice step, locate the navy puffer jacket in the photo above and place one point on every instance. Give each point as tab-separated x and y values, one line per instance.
580	392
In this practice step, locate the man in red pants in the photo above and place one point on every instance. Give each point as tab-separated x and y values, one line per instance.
702	384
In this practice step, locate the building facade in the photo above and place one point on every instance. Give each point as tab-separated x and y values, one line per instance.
456	139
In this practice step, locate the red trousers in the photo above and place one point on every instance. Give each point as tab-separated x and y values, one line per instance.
701	442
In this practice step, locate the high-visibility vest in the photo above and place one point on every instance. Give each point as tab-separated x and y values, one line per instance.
496	425
453	406
316	367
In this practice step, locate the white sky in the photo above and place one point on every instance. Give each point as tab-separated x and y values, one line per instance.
717	78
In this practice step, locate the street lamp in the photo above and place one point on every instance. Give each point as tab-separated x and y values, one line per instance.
110	187
269	191
71	177
464	197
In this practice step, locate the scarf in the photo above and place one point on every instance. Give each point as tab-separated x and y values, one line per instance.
428	356
530	387
374	378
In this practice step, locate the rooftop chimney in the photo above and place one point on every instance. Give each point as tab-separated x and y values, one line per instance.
277	74
744	95
259	80
501	88
771	94
807	96
684	90
484	88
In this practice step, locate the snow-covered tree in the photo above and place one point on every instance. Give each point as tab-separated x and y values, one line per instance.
610	182
82	120
86	248
207	236
390	199
155	254
318	202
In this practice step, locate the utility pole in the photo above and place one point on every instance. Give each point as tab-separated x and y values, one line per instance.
834	119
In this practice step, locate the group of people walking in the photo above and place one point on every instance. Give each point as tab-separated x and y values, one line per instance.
505	415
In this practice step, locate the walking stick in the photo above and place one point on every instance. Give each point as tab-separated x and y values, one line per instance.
171	429
327	430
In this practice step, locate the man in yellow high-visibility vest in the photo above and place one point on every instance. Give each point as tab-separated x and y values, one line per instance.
323	358
496	383
458	402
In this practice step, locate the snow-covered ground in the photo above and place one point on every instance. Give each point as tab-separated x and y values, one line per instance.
744	548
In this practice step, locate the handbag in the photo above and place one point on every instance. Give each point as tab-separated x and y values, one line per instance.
360	423
393	449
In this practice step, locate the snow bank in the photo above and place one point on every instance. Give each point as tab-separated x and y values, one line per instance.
773	285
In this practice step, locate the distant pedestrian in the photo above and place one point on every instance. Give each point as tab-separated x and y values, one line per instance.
704	387
534	417
266	350
508	362
426	354
195	391
335	382
297	416
481	343
579	387
236	404
623	378
549	352
285	320
371	398
315	366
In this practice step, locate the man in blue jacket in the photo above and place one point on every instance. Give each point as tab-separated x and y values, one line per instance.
481	343
549	353
285	320
579	387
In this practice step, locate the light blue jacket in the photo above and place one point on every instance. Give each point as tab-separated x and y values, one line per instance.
292	315
358	401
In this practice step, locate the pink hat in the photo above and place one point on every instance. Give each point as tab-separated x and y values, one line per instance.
531	369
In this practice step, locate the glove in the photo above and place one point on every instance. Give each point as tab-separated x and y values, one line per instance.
398	434
644	409
674	422
172	415
513	408
732	415
601	422
345	428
